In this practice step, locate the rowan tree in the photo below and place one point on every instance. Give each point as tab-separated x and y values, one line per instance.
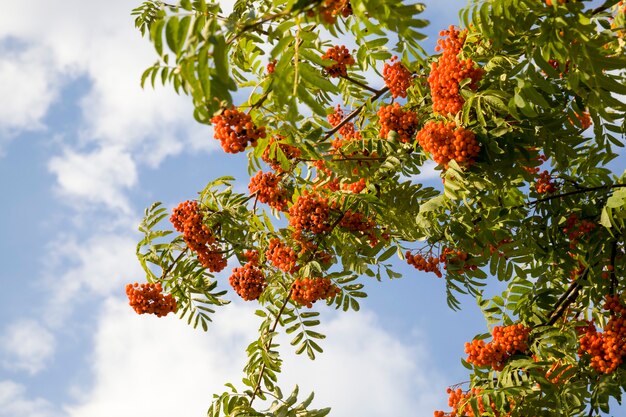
521	106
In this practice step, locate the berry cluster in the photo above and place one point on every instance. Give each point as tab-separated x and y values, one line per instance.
422	264
291	152
585	120
549	2
324	177
394	118
557	377
397	77
330	9
506	341
358	223
281	256
268	190
354	187
306	291
271	67
149	298
576	228
449	71
252	256
248	281
545	184
187	219
342	57
235	129
607	349
460	403
454	257
446	142
311	212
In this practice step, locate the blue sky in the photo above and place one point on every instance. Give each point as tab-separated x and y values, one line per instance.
83	150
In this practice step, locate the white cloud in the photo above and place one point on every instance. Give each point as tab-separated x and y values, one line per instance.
27	88
14	403
88	270
96	177
144	365
367	371
27	345
83	39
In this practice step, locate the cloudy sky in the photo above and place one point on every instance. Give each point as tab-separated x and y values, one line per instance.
83	150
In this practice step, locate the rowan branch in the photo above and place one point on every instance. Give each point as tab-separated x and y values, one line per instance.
269	344
354	113
359	83
566	300
567	194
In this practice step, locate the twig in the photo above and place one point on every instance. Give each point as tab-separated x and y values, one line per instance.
612	275
354	113
169	268
567	299
359	83
257	23
269	344
580	191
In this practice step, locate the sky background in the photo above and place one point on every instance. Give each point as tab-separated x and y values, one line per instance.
83	150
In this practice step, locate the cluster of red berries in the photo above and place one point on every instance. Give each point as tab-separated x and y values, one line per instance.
506	341
549	2
306	291
397	77
607	349
188	219
281	256
449	71
330	9
585	120
354	187
358	223
149	299
248	281
235	129
446	142
557	377
576	228
291	152
545	184
343	59
422	264
311	212
450	256
394	118
271	67
268	190
460	403
325	177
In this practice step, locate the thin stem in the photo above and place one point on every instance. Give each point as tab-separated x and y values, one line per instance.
268	344
612	275
580	191
254	25
606	6
359	83
354	113
169	268
567	299
348	158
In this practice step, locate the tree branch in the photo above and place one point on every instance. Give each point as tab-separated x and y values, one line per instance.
269	344
354	113
580	191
